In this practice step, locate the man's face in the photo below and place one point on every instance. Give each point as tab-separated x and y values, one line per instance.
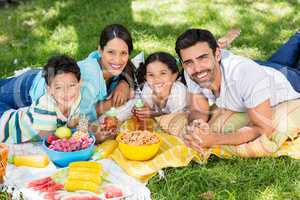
200	63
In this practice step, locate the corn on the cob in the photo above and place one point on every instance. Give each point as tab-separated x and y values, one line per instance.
75	184
95	178
86	164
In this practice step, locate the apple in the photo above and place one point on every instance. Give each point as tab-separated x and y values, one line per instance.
63	132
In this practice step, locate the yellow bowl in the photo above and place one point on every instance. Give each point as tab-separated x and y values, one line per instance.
138	152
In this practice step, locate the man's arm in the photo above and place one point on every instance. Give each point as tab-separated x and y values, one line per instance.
260	123
198	107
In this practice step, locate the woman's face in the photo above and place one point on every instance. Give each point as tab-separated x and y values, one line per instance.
65	88
114	56
159	76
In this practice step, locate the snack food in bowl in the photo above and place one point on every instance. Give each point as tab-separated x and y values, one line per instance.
139	145
64	151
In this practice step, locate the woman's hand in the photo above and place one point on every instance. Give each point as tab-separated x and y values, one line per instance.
102	133
121	94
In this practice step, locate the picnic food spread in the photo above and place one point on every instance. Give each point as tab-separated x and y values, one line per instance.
3	160
77	142
63	132
139	138
142	124
104	149
139	145
111	121
38	161
84	176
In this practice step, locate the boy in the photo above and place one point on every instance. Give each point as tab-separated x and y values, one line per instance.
58	107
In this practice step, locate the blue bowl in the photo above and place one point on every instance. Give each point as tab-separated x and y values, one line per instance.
62	159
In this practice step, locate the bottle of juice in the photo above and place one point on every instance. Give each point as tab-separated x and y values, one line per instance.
110	119
3	160
38	161
142	124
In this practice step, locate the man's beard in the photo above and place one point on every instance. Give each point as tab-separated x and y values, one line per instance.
196	77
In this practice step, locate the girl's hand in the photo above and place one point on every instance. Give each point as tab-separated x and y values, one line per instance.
121	94
142	113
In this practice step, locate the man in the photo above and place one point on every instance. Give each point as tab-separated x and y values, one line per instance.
231	82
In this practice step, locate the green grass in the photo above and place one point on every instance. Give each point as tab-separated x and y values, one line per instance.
37	29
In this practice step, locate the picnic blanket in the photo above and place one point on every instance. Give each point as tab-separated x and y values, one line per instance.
173	152
18	177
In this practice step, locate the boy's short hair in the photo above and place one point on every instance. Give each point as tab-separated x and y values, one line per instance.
192	36
59	65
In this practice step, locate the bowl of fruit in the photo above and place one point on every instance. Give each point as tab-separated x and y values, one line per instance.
64	147
139	145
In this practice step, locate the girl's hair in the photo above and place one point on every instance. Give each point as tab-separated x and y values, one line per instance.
118	31
59	65
162	57
115	31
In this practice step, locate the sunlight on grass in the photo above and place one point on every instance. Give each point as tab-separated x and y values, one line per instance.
247	52
269	193
279	10
64	40
150	10
3	39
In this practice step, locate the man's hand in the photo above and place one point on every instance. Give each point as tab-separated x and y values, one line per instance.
199	135
121	94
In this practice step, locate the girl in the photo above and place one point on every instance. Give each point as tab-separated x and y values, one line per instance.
162	93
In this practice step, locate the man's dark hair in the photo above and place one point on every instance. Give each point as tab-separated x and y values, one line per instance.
59	65
192	36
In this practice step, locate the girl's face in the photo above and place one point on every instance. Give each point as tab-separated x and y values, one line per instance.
65	89
159	76
114	56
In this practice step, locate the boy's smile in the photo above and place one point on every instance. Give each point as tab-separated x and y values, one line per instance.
65	89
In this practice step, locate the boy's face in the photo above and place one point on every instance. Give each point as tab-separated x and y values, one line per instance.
65	88
200	63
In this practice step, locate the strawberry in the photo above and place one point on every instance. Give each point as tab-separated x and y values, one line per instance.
51	138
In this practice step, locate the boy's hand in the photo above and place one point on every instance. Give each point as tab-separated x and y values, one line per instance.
142	113
73	122
121	94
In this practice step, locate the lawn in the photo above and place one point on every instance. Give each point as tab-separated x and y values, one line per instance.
37	29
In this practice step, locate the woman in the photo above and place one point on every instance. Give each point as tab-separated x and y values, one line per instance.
102	77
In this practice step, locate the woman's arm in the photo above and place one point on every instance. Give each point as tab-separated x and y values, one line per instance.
103	106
